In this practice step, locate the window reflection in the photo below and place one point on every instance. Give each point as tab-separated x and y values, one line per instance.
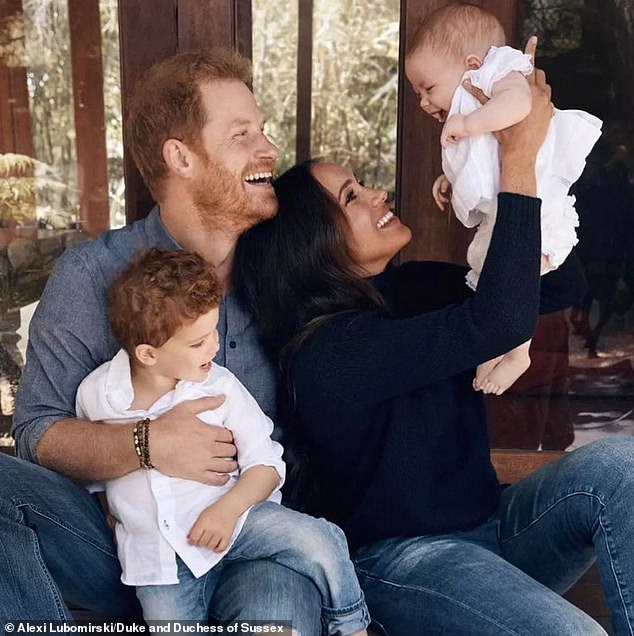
581	383
41	183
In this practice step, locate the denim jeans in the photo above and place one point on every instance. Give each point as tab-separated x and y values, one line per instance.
315	548
506	576
55	546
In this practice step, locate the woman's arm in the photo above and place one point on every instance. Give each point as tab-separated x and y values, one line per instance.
370	357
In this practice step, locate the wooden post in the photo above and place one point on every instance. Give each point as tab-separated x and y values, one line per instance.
214	23
304	79
7	143
90	128
147	33
15	121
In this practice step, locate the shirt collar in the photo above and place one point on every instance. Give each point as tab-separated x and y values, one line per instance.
157	233
118	390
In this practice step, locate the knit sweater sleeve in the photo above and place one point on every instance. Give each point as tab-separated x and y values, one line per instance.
370	357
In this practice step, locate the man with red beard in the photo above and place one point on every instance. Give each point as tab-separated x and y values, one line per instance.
196	134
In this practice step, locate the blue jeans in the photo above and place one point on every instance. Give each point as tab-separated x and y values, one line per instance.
506	576
55	545
315	548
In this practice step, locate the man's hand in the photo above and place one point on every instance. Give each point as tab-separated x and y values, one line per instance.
440	191
181	445
214	526
455	128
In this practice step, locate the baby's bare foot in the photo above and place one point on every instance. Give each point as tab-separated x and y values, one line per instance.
510	368
483	371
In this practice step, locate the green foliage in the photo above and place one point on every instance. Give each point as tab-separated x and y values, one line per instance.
50	96
274	72
17	190
47	53
24	181
355	64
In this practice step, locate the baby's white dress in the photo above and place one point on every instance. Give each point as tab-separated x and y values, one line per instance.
472	166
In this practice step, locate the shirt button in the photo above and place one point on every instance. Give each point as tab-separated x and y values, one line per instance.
233	344
167	525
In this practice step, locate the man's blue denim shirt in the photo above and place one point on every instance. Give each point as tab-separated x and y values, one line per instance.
69	335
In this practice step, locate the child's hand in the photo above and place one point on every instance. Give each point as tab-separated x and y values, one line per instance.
455	128
214	527
440	191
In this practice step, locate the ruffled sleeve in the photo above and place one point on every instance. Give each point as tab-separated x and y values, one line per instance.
499	62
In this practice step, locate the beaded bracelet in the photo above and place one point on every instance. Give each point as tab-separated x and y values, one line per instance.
141	437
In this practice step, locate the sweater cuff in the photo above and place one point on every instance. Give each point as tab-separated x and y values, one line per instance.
519	209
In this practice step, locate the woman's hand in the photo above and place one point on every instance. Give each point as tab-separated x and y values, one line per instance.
520	143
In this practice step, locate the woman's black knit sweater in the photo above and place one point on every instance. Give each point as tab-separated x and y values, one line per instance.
396	435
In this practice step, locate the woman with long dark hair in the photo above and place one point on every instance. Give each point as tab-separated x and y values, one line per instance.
389	435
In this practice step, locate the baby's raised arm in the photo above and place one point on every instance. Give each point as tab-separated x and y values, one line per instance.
510	102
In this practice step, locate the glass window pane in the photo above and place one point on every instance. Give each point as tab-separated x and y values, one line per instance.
275	72
39	173
581	382
354	81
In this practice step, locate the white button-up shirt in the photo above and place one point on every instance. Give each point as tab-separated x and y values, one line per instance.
156	512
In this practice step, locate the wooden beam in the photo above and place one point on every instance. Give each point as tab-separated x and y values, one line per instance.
90	122
147	34
7	142
225	23
20	112
304	79
243	28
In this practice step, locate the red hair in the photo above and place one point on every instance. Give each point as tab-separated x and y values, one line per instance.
167	103
157	293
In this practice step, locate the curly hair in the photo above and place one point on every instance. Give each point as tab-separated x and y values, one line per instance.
167	103
158	292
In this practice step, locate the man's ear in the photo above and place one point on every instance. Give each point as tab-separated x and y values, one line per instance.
178	157
145	354
472	62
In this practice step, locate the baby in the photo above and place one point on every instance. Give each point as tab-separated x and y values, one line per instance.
173	535
461	42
